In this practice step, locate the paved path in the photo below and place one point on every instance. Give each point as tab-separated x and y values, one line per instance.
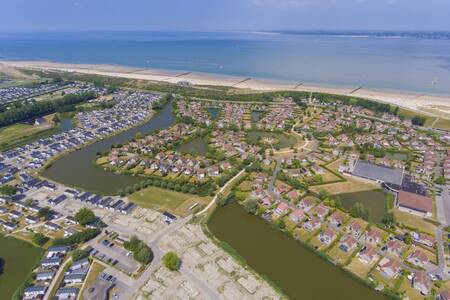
220	192
55	280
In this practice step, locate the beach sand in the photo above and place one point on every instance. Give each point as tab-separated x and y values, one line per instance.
424	103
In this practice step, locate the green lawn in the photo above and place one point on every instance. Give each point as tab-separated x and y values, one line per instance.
19	134
162	199
20	258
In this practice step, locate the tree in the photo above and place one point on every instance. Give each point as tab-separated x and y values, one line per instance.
45	213
359	211
79	254
144	256
251	205
388	219
85	216
221	200
172	261
141	252
440	180
40	239
418	120
8	190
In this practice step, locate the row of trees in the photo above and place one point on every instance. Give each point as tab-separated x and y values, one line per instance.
40	108
202	189
77	238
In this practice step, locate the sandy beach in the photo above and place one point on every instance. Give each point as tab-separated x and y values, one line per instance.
428	104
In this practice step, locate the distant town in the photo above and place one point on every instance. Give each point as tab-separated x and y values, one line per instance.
114	188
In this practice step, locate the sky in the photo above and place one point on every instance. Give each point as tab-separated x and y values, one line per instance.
212	15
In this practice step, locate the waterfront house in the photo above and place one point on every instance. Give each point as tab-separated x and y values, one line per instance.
394	247
293	195
312	224
355	228
389	267
51	262
282	209
368	255
57	250
34	292
374	236
8	226
348	243
421	283
297	215
45	276
14	214
327	236
337	218
320	211
306	204
418	258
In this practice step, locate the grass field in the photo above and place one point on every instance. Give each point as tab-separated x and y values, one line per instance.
162	199
94	272
414	222
18	134
20	257
442	124
350	186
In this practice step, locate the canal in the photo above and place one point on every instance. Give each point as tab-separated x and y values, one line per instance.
300	273
78	169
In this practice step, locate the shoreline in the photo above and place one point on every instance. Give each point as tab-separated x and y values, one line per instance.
427	104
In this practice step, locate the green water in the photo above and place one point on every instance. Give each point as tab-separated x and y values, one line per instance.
300	273
196	146
213	112
256	115
78	169
19	259
372	200
284	141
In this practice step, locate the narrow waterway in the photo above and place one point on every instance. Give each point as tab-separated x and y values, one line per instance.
78	169
300	273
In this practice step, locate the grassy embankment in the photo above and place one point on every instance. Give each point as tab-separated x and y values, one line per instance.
20	258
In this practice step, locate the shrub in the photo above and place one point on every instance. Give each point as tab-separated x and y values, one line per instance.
40	239
172	261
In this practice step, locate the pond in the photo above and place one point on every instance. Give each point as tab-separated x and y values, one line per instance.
397	156
283	140
213	112
256	115
374	201
19	260
196	146
78	169
299	272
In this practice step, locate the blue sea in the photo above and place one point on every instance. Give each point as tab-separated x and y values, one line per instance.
417	62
